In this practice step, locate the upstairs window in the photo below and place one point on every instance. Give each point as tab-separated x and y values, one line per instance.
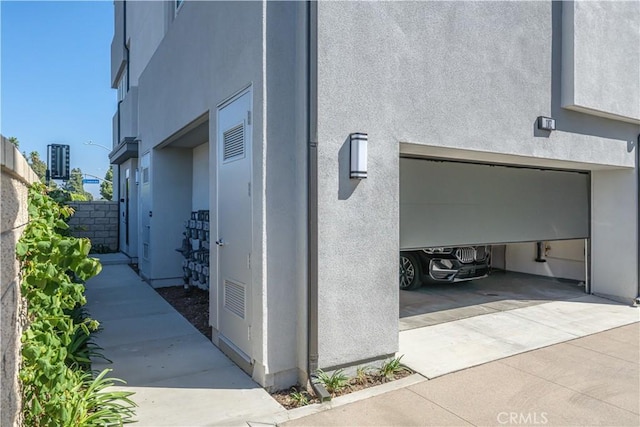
123	84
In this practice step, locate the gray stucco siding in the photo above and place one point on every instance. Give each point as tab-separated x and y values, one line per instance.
285	193
205	44
222	56
600	63
468	75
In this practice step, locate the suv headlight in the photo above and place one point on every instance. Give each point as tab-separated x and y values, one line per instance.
434	251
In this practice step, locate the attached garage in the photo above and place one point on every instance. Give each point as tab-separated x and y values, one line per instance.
526	215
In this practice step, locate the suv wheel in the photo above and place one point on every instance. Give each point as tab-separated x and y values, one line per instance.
410	272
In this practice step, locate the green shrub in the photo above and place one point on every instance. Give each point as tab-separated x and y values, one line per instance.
58	388
301	398
391	368
334	382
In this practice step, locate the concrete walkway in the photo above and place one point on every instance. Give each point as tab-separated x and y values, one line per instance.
180	378
588	381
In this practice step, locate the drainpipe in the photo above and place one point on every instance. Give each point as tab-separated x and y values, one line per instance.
638	215
124	41
312	203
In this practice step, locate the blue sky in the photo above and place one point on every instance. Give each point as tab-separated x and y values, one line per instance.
55	71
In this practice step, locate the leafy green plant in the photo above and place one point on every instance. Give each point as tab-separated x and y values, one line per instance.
91	405
58	388
334	382
390	368
301	398
82	350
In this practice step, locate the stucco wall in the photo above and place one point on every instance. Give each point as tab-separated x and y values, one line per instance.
614	225
98	221
200	177
460	80
171	192
204	58
16	176
600	71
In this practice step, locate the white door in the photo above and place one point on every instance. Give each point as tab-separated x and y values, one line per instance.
145	216
123	204
234	235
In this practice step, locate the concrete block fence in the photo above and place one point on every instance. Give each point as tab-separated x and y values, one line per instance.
98	221
16	177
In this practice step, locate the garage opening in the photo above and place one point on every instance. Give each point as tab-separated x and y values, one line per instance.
482	238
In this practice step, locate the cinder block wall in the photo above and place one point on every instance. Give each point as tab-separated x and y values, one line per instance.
96	220
16	176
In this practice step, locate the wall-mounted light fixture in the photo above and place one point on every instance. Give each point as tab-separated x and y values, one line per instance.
546	123
358	168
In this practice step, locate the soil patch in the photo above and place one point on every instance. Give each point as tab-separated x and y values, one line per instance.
298	396
192	304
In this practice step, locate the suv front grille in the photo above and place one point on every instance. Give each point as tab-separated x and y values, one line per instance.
466	254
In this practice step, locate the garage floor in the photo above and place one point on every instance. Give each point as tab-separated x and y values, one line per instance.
502	291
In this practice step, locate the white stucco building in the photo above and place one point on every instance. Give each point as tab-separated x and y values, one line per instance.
246	109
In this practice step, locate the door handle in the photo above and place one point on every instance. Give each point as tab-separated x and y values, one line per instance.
220	242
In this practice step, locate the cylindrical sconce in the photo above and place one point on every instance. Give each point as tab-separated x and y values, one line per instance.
358	167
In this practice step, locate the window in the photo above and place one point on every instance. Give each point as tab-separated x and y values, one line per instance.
123	85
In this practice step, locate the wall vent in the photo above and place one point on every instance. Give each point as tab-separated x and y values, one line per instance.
234	298
233	145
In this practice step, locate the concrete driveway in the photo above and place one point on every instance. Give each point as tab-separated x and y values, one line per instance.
446	328
439	303
588	381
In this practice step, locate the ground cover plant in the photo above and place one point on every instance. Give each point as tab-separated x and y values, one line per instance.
57	385
338	383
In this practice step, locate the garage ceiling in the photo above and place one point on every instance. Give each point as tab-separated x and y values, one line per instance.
450	203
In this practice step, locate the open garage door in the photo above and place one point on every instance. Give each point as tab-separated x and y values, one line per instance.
445	203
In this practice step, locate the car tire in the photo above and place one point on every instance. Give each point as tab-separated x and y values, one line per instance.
410	272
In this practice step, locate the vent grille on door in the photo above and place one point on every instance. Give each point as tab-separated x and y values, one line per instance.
234	298
233	143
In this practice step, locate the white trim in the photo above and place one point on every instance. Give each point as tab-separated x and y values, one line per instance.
237	94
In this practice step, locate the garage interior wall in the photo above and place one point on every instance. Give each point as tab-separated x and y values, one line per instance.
564	259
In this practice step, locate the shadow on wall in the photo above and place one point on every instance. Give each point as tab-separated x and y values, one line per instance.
346	185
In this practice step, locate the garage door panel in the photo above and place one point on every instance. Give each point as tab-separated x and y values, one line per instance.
447	203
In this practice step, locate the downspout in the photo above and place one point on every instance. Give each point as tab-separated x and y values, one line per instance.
637	301
124	42
312	202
